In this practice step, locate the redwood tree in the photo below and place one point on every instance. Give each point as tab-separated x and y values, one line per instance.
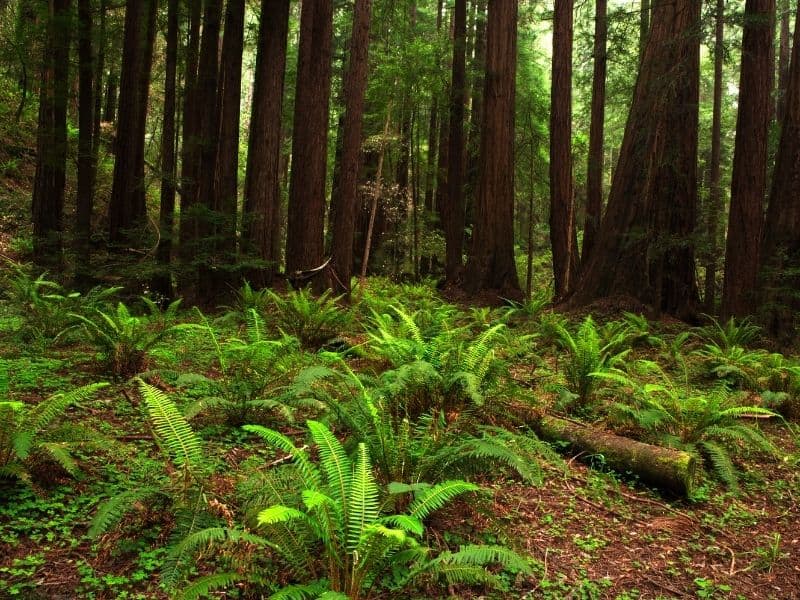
780	268
562	211
262	199
126	208
644	247
452	209
86	162
163	283
594	171
491	262
749	177
343	205
47	204
306	216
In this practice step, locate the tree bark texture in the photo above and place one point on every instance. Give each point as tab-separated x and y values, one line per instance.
644	246
262	197
715	203
344	210
127	209
86	162
491	264
229	100
562	193
452	209
306	216
594	170
749	176
781	241
163	282
47	204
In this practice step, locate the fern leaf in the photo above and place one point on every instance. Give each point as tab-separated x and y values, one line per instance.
308	471
438	496
115	508
337	466
202	588
172	428
362	504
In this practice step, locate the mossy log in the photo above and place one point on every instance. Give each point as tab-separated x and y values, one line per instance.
664	468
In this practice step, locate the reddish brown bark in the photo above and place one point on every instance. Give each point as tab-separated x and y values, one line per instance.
749	176
452	209
344	204
127	209
262	208
163	282
644	248
594	170
491	264
562	208
306	217
47	204
784	53
781	241
86	163
229	99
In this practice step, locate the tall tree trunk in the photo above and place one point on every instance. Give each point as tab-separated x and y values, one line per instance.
643	248
226	196
783	58
127	209
594	170
47	204
452	210
207	83
491	263
781	249
476	112
262	198
715	207
344	203
749	176
562	193
86	163
163	282
306	218
99	73
190	149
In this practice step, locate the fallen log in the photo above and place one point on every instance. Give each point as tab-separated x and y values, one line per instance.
664	468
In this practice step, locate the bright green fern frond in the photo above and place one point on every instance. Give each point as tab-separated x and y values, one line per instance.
721	461
308	591
110	513
309	473
482	555
337	466
438	496
173	430
362	505
203	587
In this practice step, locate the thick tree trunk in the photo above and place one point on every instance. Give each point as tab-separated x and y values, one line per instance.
562	193
262	198
452	209
781	240
715	207
208	121
163	282
306	218
491	264
190	149
594	171
47	204
226	197
344	203
644	26
644	247
86	162
749	176
667	469
127	208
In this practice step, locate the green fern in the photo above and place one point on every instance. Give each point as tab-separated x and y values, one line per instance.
172	429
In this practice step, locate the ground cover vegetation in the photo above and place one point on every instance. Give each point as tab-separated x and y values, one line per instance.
376	299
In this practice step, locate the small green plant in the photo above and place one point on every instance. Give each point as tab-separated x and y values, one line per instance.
30	431
251	371
706	424
124	339
771	553
588	357
248	299
733	332
336	541
707	589
312	320
638	331
734	365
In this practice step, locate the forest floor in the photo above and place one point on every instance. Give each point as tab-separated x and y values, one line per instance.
589	532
